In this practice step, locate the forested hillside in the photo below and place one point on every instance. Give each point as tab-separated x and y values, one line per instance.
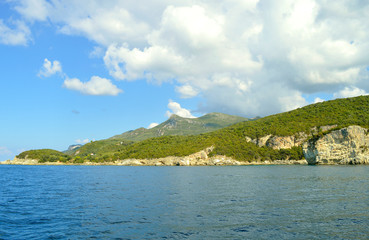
231	141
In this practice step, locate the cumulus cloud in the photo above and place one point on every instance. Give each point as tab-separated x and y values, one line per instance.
107	25
50	68
96	86
242	57
33	9
190	45
318	100
152	125
187	91
175	108
18	35
350	92
82	141
251	60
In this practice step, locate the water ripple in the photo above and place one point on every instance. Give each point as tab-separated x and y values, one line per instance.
247	202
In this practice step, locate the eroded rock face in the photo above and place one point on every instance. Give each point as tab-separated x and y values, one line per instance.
197	159
345	146
286	142
279	142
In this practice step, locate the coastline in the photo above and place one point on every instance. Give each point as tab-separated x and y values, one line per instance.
167	161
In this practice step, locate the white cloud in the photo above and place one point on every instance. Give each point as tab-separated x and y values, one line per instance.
33	9
5	151
187	91
152	125
292	102
96	86
178	110
82	141
242	57
97	52
19	35
104	22
318	100
106	26
191	44
50	68
350	92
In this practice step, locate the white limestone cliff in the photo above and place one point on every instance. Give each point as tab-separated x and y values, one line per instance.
348	145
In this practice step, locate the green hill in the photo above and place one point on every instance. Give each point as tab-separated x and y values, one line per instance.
177	125
45	155
231	141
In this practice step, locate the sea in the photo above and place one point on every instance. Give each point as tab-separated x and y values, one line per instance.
225	202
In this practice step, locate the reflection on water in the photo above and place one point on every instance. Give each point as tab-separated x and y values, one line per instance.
260	202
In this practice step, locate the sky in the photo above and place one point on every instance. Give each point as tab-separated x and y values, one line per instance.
76	71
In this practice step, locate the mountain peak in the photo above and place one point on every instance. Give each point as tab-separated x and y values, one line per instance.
175	116
177	125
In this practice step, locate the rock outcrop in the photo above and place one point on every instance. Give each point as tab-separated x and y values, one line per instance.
74	147
348	145
286	142
279	142
19	161
345	146
197	159
179	161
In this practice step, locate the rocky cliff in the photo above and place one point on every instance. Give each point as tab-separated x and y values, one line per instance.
345	146
285	142
348	145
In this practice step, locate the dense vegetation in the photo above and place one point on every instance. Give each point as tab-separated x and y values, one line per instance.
101	150
230	141
45	155
340	112
225	142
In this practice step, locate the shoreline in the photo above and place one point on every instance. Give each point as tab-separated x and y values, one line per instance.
167	161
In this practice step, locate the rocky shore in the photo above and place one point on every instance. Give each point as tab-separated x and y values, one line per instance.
198	159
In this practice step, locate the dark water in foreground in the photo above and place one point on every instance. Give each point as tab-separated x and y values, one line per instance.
246	202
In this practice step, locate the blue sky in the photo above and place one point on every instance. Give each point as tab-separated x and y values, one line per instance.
75	71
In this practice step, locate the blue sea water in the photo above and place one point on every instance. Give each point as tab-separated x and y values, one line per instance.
238	202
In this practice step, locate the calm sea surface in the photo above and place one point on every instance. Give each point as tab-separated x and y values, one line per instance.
246	202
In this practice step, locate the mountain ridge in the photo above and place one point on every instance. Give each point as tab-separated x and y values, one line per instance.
177	125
